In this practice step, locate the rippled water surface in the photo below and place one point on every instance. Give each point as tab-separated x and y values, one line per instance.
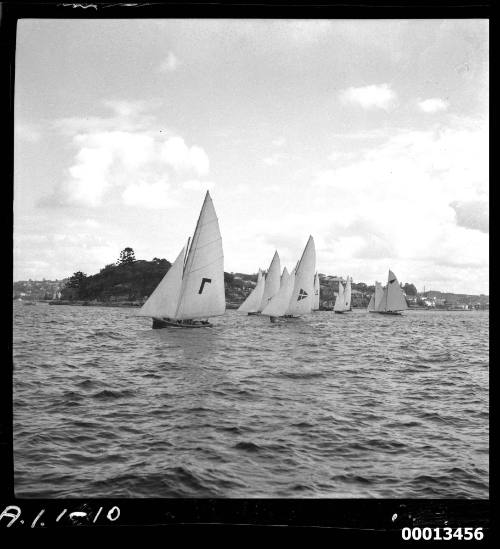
352	405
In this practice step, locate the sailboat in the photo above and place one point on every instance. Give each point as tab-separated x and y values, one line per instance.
252	302
296	293
273	281
393	300
193	288
347	294
316	293
376	298
340	302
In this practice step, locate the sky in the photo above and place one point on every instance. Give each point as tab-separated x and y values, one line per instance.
370	135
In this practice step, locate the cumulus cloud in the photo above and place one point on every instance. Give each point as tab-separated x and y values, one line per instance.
433	105
275	159
121	156
182	158
472	214
370	97
198	185
169	64
392	203
155	195
27	132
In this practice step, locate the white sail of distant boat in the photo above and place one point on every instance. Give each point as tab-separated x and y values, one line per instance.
193	288
316	292
302	299
278	305
340	305
393	300
379	293
272	283
376	297
347	294
252	302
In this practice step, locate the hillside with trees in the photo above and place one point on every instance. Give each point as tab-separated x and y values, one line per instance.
130	281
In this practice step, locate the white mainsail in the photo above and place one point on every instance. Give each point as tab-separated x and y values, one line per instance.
316	292
202	293
376	297
252	302
340	301
281	300
193	287
273	282
301	301
164	299
379	293
347	294
393	298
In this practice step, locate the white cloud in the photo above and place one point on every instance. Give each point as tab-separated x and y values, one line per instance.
433	105
182	158
149	195
373	96
417	200
198	185
275	159
27	132
121	155
170	63
279	142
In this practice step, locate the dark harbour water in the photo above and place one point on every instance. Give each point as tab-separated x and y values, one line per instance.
338	406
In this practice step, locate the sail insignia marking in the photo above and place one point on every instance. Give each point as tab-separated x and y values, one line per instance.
302	294
203	282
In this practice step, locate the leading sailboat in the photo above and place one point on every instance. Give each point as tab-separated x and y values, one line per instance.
393	300
192	291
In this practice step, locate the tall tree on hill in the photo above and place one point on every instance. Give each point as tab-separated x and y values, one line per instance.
409	289
76	281
126	256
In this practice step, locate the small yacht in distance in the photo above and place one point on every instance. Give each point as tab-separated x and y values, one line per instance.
393	300
296	293
316	292
340	303
376	297
252	302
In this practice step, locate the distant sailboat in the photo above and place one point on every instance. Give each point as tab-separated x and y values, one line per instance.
376	298
316	292
252	302
279	303
393	300
347	295
273	281
193	288
340	302
296	293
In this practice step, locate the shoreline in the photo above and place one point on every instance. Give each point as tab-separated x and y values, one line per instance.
229	306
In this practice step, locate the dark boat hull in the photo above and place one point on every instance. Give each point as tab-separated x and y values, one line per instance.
396	313
339	312
253	313
164	323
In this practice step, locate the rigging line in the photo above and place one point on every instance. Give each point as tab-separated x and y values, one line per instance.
208	243
207	265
